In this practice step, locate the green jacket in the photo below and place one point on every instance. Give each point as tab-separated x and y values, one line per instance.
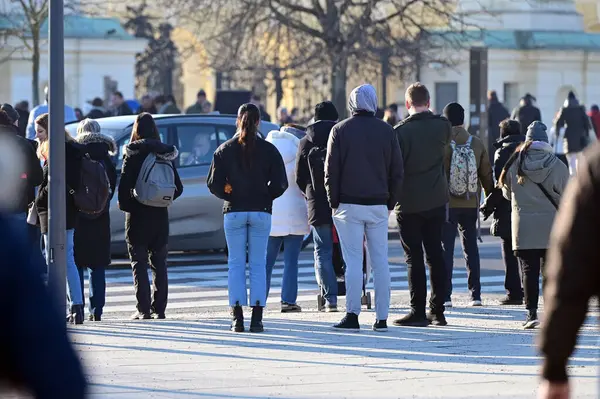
204	108
484	168
423	138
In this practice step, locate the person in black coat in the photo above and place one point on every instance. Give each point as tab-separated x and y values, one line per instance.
319	211
22	109
578	124
92	235
98	111
526	113
146	227
497	112
510	139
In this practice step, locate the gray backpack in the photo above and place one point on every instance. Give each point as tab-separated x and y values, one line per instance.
155	184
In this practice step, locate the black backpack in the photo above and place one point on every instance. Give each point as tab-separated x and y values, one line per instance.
316	166
92	195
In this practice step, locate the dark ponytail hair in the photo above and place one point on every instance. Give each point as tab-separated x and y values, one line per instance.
518	156
247	124
144	128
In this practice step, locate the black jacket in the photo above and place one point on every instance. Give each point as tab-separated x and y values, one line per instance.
505	147
253	188
496	114
144	225
317	135
36	353
32	171
364	163
92	236
525	114
97	113
123	109
73	153
23	119
577	123
423	139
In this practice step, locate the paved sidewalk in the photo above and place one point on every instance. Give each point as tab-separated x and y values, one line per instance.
482	353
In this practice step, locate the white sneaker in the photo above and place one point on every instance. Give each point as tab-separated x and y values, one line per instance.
476	303
448	304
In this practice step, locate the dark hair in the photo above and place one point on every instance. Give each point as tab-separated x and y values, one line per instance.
118	94
256	97
201	93
492	95
417	95
595	108
144	128
170	98
247	123
509	127
22	105
519	156
160	99
393	107
4	118
97	102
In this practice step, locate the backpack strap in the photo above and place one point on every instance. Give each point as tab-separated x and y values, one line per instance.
470	140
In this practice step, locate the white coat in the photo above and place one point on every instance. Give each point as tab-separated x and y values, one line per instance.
290	211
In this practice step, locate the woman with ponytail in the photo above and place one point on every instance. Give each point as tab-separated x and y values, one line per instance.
248	173
533	180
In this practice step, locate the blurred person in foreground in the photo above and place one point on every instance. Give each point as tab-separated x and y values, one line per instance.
30	348
573	273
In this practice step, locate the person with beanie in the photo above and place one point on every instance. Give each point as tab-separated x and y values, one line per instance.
577	125
533	180
463	214
363	179
310	178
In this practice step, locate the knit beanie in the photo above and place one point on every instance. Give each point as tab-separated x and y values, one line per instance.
455	113
537	132
326	111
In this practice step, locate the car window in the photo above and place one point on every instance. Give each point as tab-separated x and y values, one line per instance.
121	144
197	143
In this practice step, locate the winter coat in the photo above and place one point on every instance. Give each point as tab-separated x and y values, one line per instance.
577	123
123	109
505	147
319	211
199	108
97	113
23	118
484	169
525	114
573	267
73	154
152	110
141	221
496	114
36	353
92	236
253	187
289	215
594	118
168	109
31	170
424	138
532	213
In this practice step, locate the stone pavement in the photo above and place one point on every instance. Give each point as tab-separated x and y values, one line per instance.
482	353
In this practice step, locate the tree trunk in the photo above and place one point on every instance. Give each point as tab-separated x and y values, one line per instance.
339	78
278	87
385	63
35	64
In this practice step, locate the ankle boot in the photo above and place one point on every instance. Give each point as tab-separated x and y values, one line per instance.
77	312
237	320
256	324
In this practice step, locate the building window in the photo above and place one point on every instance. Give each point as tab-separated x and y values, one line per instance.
445	93
511	95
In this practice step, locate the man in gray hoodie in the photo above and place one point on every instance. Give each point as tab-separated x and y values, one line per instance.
363	179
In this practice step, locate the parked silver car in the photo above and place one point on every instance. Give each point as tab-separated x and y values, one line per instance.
196	218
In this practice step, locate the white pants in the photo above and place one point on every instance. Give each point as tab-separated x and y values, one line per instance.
353	223
573	159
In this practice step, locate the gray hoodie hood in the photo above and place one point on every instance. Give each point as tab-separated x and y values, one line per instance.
538	162
363	98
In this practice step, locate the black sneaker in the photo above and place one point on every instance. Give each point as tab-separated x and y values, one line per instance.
95	317
159	316
380	326
290	308
237	318
141	316
349	323
437	319
412	320
256	324
77	313
532	320
508	301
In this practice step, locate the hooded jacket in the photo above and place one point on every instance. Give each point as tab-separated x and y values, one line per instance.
572	115
289	216
319	211
526	113
532	213
142	222
496	114
364	162
92	236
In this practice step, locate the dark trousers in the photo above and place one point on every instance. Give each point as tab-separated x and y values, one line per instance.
418	231
97	288
157	256
465	221
532	263
512	279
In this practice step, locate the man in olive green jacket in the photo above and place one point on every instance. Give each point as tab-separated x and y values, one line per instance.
464	211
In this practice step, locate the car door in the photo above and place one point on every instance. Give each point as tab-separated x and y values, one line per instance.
196	222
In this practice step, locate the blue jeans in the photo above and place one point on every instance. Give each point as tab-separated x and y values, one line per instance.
292	246
97	289
247	233
323	242
75	295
